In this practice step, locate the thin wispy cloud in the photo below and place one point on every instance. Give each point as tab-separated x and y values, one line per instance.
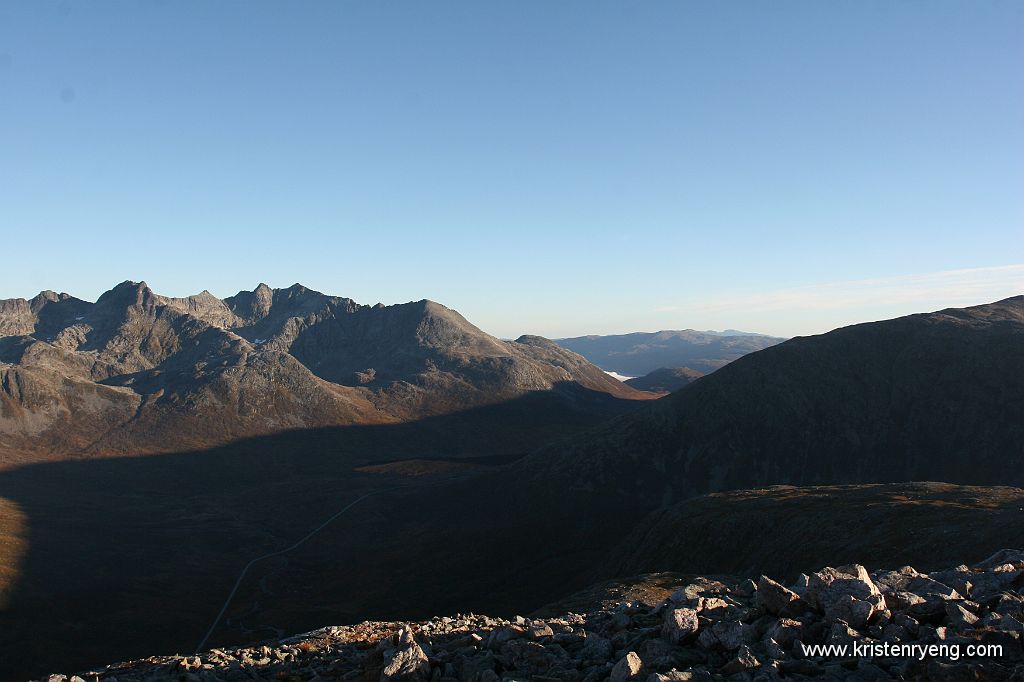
952	287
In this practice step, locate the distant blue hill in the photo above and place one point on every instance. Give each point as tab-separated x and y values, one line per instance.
640	353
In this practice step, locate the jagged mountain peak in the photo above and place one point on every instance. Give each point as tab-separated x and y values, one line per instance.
262	294
298	289
126	293
258	362
429	307
425	306
130	285
47	296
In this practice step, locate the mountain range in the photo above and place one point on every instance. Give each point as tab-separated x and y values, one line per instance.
641	353
139	372
486	475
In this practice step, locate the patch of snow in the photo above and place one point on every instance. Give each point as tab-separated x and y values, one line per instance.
616	375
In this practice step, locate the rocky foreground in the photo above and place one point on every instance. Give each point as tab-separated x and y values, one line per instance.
965	623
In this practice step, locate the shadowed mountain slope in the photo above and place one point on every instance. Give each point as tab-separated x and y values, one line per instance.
641	353
139	372
927	525
935	396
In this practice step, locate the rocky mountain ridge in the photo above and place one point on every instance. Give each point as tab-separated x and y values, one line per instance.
838	623
139	372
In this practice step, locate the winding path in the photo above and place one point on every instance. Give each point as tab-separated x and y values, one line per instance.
227	602
241	576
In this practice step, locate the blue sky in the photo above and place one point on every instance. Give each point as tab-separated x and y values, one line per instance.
558	168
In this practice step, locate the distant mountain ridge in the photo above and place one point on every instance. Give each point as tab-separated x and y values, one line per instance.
137	371
733	332
641	353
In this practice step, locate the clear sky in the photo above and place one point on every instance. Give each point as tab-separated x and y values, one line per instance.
558	168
